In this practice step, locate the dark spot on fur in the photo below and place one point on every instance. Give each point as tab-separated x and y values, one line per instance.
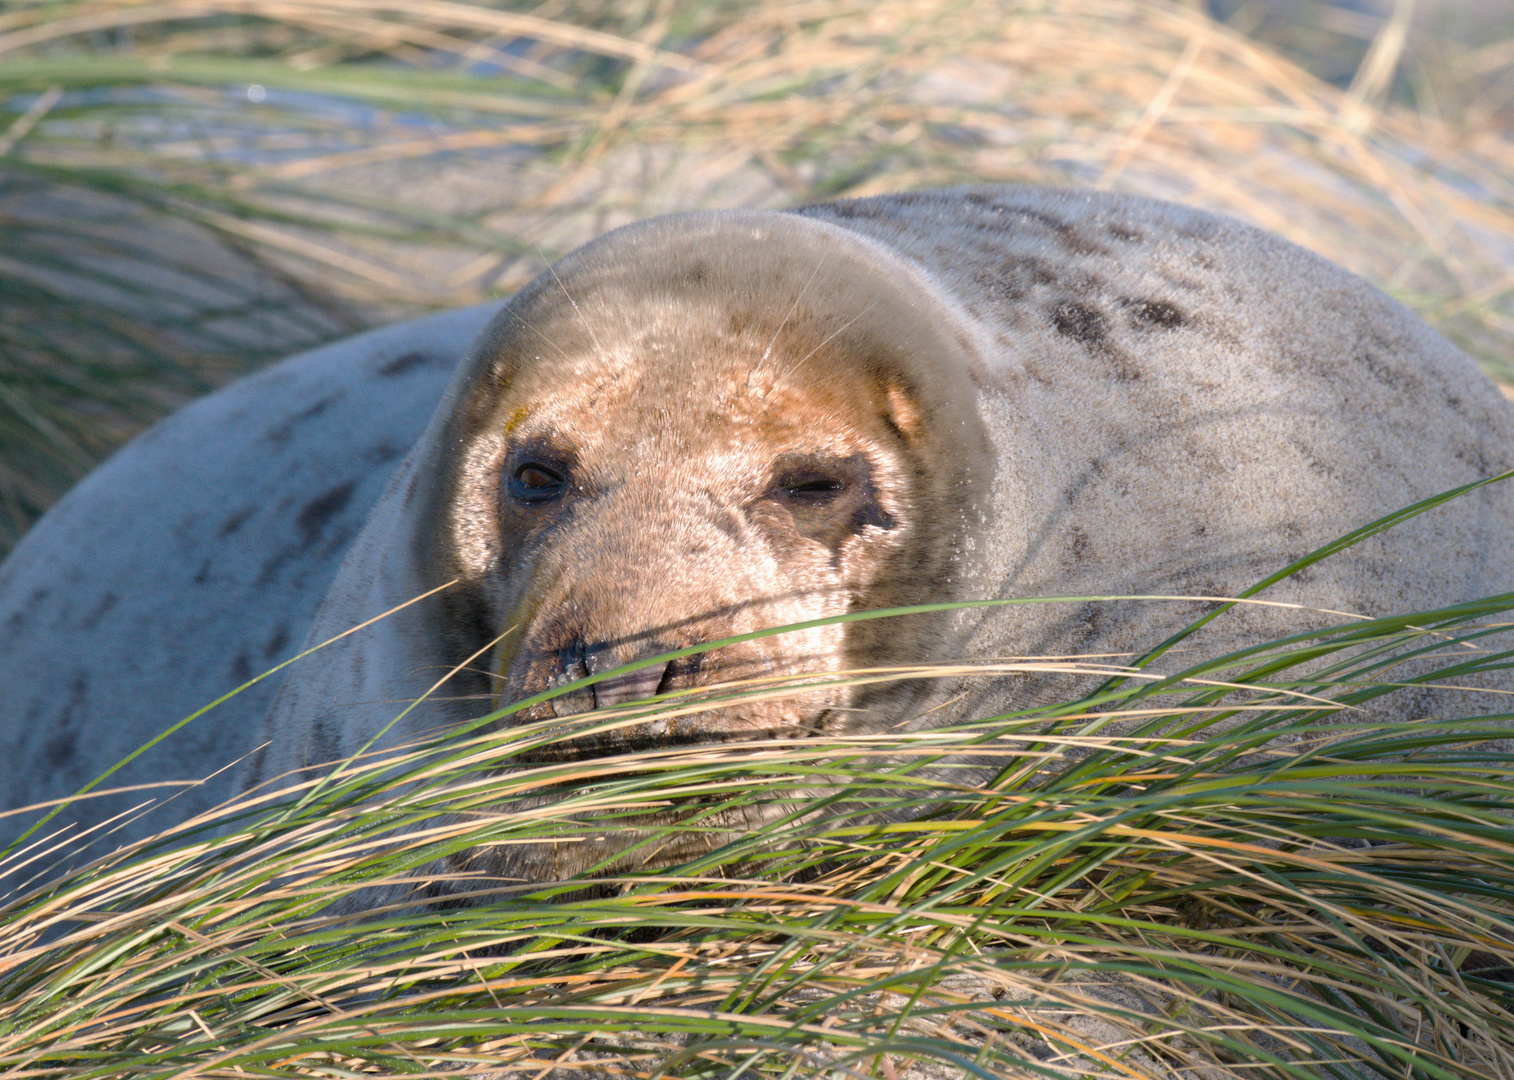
1001	288
1477	459
1081	323
1089	328
62	746
1038	372
860	209
877	209
202	575
1124	233
323	739
1086	625
77	690
108	601
1391	377
1070	236
323	508
321	406
241	669
1079	546
1095	621
1055	224
1016	276
235	522
1036	271
277	642
1318	465
403	363
381	454
281	433
1158	313
60	749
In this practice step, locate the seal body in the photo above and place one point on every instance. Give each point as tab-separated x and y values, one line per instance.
191	562
711	423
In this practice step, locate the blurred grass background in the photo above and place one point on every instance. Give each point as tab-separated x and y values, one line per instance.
192	188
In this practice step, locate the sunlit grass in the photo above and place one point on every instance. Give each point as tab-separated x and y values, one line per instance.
1166	874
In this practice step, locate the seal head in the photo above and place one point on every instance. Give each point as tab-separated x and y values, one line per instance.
699	428
694	428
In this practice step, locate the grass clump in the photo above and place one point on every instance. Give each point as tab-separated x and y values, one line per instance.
1229	868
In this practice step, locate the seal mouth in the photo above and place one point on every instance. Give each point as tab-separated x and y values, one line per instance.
720	725
556	662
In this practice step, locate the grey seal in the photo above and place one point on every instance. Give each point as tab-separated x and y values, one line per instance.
711	422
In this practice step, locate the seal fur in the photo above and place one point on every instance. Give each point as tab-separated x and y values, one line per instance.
1039	393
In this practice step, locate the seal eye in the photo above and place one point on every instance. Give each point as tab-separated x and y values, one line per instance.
813	489
534	482
828	498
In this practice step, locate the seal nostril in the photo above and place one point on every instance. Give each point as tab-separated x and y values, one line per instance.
573	663
683	673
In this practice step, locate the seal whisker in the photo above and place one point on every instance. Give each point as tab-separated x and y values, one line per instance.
552	268
792	308
551	342
828	338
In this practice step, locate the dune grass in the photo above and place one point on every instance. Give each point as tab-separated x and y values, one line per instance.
1228	867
